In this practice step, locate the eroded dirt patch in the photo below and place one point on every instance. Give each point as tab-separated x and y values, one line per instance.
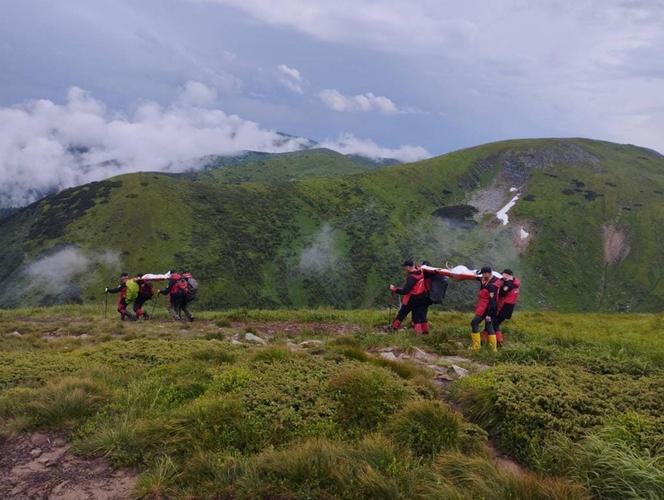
40	465
616	244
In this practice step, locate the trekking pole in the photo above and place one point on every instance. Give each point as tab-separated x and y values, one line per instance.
105	304
154	304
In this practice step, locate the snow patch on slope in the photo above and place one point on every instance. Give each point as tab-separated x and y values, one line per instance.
502	213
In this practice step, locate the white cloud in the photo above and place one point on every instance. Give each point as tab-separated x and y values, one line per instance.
349	144
46	146
320	255
197	94
72	268
291	78
337	101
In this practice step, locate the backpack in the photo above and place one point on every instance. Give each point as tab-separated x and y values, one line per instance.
132	290
437	289
192	288
146	291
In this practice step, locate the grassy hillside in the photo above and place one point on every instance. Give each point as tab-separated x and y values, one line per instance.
592	210
282	167
322	404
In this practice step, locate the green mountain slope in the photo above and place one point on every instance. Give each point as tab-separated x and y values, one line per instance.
283	167
593	212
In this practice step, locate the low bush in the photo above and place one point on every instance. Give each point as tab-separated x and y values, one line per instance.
61	403
270	355
426	428
367	397
524	406
609	462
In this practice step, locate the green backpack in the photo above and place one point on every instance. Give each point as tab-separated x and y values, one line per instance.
132	290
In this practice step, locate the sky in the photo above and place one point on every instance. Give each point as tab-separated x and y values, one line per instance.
89	89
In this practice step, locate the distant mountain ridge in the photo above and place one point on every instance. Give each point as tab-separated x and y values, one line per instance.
309	161
318	228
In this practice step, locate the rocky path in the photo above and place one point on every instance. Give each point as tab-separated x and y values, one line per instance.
41	466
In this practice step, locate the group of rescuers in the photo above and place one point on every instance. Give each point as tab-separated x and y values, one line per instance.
181	291
495	303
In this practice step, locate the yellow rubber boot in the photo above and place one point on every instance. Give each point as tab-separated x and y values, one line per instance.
493	345
475	341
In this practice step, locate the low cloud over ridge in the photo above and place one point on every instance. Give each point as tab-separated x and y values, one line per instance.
46	146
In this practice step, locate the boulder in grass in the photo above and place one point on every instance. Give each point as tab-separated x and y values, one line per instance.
458	371
311	343
389	355
254	339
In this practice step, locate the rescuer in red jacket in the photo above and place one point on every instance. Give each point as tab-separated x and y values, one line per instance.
122	298
485	307
415	299
174	292
508	294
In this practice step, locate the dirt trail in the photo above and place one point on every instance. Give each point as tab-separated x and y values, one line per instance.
40	466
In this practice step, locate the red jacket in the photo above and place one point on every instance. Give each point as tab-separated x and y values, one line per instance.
415	285
509	292
487	298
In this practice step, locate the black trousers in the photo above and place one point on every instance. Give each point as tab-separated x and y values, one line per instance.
504	314
475	324
179	305
138	303
418	305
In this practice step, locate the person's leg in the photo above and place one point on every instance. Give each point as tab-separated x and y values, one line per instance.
174	306
185	310
121	309
419	317
138	307
404	310
124	313
488	326
505	314
475	340
498	320
425	314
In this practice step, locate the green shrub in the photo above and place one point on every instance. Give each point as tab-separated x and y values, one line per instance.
610	468
270	355
426	427
470	474
527	486
473	439
350	352
231	379
215	355
525	406
118	438
425	386
367	397
158	481
210	474
404	370
326	469
65	402
212	424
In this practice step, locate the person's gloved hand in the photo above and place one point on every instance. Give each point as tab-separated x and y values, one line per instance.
106	290
393	288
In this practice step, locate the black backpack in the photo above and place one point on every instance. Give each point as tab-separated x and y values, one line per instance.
192	288
437	289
